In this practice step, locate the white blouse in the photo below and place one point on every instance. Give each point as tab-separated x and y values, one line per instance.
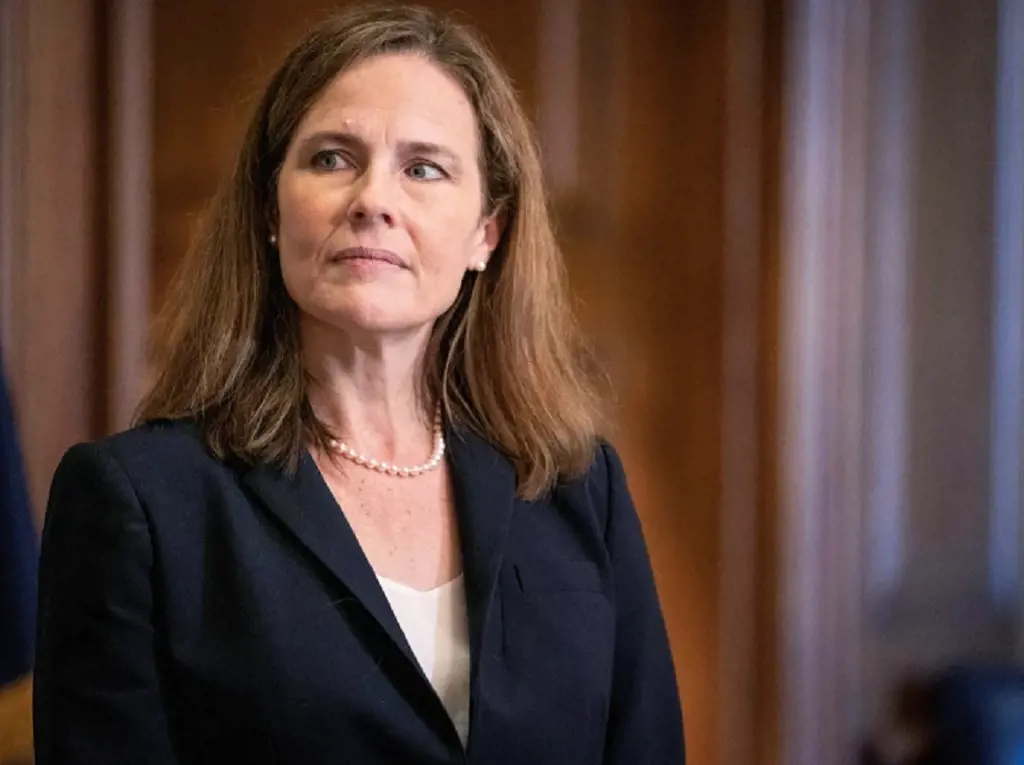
437	629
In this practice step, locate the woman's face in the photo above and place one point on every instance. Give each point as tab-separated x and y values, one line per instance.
380	199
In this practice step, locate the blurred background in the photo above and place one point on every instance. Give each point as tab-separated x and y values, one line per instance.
795	229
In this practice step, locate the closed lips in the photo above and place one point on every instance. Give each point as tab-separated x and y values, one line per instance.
367	253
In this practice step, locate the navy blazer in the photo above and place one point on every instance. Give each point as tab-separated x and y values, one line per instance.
198	611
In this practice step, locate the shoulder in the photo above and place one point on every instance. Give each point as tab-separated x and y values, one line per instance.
168	455
164	442
604	471
600	487
156	484
163	439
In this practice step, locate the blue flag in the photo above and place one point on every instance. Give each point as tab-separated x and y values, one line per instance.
19	554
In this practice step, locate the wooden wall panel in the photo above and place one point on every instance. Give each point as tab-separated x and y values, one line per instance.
127	235
51	253
74	217
768	556
670	245
52	250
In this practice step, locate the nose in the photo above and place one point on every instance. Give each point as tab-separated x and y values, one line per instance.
372	202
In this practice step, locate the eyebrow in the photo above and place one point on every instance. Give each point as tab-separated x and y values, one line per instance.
408	148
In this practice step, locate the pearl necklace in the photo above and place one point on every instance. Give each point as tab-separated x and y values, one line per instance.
387	468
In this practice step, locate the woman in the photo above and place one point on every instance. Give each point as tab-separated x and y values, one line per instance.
366	516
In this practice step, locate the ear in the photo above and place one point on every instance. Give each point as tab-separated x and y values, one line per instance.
494	226
488	236
273	222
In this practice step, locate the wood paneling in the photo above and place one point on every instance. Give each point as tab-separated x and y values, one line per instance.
16	723
74	211
769	710
671	242
52	243
53	318
128	238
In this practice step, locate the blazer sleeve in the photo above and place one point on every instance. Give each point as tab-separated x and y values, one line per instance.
97	694
645	724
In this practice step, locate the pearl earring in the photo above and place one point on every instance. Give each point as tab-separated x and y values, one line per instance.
481	265
273	240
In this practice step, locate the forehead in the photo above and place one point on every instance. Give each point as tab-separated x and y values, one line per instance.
405	95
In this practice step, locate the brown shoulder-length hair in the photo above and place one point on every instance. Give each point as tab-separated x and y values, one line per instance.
506	360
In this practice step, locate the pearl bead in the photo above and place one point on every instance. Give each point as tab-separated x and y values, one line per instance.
387	468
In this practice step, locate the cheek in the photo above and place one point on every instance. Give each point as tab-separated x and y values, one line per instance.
302	217
299	226
305	212
296	275
446	252
446	235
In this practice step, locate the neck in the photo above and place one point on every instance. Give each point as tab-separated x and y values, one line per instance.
368	389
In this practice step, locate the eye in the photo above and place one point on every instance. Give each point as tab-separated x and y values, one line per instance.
329	160
425	171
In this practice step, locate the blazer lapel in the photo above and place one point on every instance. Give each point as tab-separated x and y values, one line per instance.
484	485
305	505
484	482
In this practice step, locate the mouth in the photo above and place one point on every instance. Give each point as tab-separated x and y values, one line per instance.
367	254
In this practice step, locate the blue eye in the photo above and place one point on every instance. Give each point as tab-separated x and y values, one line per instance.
426	171
329	160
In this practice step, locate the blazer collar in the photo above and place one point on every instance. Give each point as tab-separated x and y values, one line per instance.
484	484
307	508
